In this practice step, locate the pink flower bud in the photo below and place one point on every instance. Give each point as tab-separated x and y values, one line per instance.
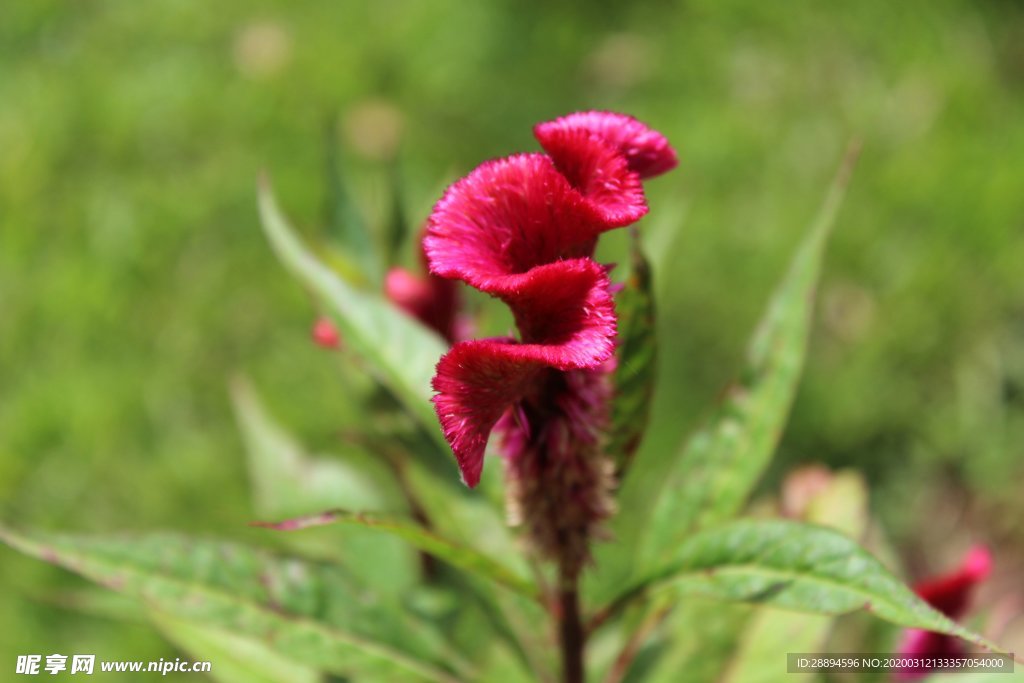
325	335
432	300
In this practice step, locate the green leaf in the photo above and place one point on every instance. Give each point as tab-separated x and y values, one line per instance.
400	351
397	225
718	467
357	258
841	504
760	654
464	515
751	653
233	659
460	556
287	481
793	566
95	601
703	636
633	380
507	596
309	612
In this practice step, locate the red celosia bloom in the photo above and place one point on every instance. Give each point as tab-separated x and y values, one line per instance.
950	594
523	229
432	300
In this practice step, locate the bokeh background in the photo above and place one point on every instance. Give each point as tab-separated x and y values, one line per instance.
134	280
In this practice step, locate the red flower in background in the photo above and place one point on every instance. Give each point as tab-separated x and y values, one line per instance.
950	594
523	229
432	300
325	335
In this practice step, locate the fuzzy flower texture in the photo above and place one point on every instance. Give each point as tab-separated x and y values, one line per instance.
523	229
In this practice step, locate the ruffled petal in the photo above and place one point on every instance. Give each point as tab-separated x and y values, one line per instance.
565	309
506	217
647	151
523	229
475	383
599	171
565	305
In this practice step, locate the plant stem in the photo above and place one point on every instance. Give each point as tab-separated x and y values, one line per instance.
570	629
629	651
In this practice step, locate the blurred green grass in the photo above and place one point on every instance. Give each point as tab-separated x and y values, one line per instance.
134	279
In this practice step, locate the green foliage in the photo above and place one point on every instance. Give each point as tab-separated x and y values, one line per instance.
239	659
842	504
132	283
401	352
311	613
356	255
359	609
794	566
636	357
288	481
715	472
459	556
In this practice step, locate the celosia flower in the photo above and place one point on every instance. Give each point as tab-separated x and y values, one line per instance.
523	229
950	594
432	300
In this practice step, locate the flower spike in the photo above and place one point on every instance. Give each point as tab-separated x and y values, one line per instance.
523	229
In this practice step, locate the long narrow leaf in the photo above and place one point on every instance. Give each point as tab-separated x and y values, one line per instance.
289	481
636	355
793	566
400	351
357	254
308	612
234	659
841	504
460	556
719	465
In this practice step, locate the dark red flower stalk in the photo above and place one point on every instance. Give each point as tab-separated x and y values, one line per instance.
523	229
950	594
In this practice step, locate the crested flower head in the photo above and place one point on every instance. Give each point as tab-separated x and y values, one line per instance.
523	229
